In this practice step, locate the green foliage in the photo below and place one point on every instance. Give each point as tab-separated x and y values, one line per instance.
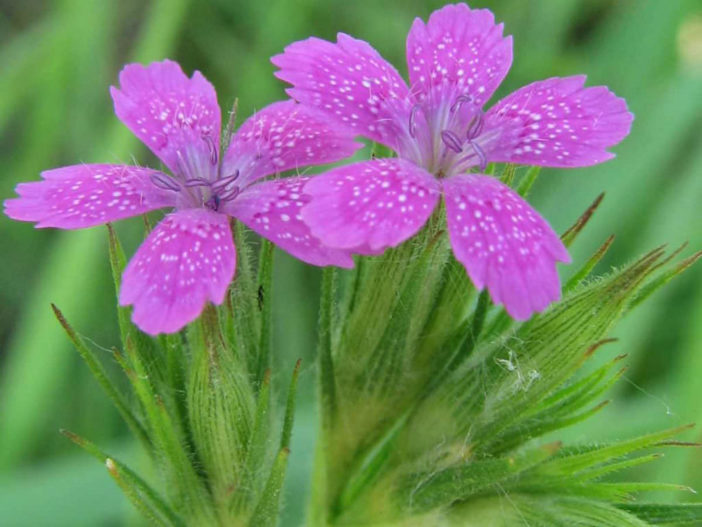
433	440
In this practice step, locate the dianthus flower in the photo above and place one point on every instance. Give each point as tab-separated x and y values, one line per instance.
440	132
189	258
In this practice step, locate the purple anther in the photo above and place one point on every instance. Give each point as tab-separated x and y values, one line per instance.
197	182
413	119
451	140
225	181
461	99
475	126
480	153
213	148
165	182
229	194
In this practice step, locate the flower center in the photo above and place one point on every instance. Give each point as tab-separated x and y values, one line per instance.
447	139
197	179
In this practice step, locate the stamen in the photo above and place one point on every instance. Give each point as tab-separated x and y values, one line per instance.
480	153
451	140
165	182
459	101
225	181
413	119
197	182
213	148
475	126
230	194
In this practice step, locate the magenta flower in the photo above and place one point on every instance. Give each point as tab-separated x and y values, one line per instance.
440	132
189	258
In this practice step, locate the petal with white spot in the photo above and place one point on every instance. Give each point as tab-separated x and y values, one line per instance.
349	81
177	117
272	209
557	123
504	244
80	196
369	206
186	261
285	136
461	48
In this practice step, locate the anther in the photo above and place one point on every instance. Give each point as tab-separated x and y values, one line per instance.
225	181
165	182
451	140
480	153
230	194
461	99
475	126
197	182
213	148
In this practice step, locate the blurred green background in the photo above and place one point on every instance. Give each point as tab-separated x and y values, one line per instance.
57	60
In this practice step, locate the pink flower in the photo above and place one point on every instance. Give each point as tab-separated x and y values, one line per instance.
439	130
189	258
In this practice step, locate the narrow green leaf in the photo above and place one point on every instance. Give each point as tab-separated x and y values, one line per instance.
582	391
324	351
569	236
103	379
243	321
268	508
587	268
665	277
560	510
166	436
256	450
143	344
427	490
527	181
572	462
140	493
290	408
615	466
665	514
265	307
507	176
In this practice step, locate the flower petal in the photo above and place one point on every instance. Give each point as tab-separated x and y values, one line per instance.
272	209
369	206
177	117
558	123
285	136
187	260
80	196
503	243
459	47
349	81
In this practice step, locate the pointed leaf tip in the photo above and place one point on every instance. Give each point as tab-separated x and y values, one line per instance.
597	345
569	235
587	268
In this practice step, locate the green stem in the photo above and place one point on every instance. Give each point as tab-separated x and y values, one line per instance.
265	306
326	364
